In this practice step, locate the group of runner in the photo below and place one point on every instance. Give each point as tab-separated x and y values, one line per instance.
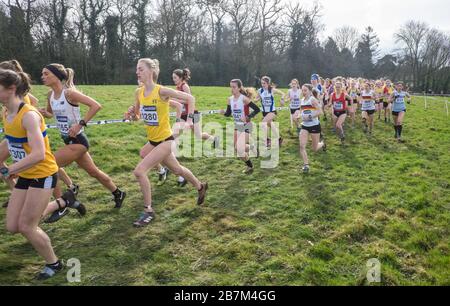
34	173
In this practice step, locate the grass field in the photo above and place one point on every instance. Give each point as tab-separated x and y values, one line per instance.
373	198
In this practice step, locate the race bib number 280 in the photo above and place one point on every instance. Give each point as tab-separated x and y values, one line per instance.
150	115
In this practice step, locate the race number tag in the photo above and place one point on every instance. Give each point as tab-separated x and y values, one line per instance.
237	115
150	115
338	105
267	102
368	104
307	116
16	151
63	124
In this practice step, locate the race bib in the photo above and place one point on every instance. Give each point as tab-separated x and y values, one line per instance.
307	116
16	151
338	105
367	104
237	115
295	104
63	124
150	115
267	102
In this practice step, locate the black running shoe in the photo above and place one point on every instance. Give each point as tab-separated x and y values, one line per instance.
248	170
5	205
49	271
305	169
182	183
202	194
57	215
163	177
119	198
144	219
75	189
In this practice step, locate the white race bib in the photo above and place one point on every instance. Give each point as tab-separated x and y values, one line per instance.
307	116
338	105
150	115
63	124
16	151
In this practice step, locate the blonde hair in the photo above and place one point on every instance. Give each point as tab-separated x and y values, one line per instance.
295	81
13	65
68	72
153	65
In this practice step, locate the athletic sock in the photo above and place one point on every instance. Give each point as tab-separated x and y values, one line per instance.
117	192
400	129
55	266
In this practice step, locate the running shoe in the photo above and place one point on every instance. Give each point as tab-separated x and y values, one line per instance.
119	198
163	177
144	219
248	170
305	169
202	194
182	182
49	271
57	215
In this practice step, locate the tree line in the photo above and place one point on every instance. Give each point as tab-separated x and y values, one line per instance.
217	39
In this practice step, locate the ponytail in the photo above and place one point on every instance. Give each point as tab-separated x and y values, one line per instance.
65	75
13	65
69	83
20	80
184	75
247	92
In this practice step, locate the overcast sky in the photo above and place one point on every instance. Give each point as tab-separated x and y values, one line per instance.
385	16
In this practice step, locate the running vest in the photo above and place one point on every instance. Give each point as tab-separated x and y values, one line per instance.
267	100
388	90
239	109
66	114
339	104
155	113
379	93
295	98
27	100
353	93
185	110
399	102
307	109
368	102
16	136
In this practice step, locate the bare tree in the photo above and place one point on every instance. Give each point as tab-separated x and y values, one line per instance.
269	14
412	36
346	37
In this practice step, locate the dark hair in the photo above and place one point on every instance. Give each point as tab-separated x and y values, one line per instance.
248	92
21	80
184	74
13	65
268	80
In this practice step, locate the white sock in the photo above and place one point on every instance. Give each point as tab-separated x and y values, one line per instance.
162	171
180	179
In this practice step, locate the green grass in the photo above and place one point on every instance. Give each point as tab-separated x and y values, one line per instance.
373	198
